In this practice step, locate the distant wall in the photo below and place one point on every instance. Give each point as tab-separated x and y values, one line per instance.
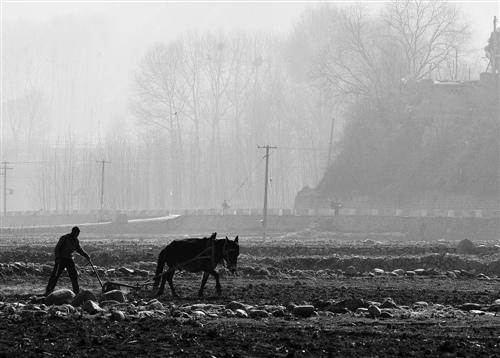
414	228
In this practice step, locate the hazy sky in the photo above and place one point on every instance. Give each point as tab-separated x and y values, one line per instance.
178	16
121	32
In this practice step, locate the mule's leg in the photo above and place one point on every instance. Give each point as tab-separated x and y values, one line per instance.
217	282
169	275
159	267
203	283
162	285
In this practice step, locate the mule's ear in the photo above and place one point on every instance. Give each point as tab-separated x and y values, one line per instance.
227	239
236	239
213	235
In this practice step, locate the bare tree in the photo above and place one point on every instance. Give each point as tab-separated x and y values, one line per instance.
26	115
158	103
428	33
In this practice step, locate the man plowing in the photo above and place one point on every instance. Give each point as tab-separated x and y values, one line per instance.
65	247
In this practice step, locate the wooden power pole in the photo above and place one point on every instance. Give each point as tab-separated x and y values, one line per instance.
4	173
266	182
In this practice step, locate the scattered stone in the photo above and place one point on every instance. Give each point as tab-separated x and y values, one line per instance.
431	272
198	314
467	273
149	314
241	313
126	271
258	313
421	304
234	305
388	303
91	307
82	296
154	305
470	306
303	310
353	303
374	311
399	272
59	297
378	271
142	273
385	314
118	316
419	272
109	303
410	273
115	295
477	312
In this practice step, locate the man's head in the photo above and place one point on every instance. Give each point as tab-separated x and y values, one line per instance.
75	231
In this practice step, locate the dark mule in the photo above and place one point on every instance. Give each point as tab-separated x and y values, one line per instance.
195	255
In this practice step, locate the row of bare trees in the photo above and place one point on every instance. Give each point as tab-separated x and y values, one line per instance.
216	97
204	102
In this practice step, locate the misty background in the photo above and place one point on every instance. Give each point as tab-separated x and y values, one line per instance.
177	97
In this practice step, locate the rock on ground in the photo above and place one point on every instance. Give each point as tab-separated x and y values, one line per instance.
115	295
59	297
82	297
374	311
91	307
117	316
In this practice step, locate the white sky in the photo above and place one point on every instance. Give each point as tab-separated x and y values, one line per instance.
177	17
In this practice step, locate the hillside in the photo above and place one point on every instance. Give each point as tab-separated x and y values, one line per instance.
432	139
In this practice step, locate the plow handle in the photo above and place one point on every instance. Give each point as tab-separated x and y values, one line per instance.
95	271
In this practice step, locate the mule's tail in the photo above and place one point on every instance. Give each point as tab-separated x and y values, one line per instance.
162	259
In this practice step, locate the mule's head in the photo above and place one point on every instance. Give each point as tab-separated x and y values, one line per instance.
230	253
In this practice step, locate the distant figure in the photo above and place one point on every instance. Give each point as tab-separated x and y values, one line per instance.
225	206
65	247
335	205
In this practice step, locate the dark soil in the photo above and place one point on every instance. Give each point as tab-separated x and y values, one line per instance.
342	335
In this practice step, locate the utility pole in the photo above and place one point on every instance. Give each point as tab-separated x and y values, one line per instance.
264	219
330	146
4	173
103	163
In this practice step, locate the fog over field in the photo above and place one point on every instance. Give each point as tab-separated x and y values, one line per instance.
178	97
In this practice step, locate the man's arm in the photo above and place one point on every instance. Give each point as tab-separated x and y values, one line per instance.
81	251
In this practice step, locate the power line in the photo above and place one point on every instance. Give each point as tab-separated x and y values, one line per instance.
304	148
246	179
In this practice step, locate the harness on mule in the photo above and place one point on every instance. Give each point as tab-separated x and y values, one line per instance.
210	256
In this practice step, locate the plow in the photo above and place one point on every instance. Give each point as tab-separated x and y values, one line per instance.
113	285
